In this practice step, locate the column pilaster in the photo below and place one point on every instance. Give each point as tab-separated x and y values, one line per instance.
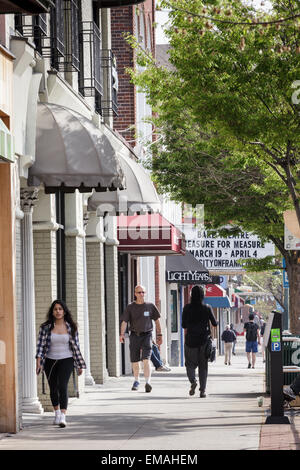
30	403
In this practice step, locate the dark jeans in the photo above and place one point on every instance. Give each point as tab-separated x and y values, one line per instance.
296	385
58	375
155	357
195	358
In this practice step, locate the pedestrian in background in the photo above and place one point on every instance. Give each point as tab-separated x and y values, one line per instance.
58	352
236	335
156	359
140	316
196	320
252	340
228	337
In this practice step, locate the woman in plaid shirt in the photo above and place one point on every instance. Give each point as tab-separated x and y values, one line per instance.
58	352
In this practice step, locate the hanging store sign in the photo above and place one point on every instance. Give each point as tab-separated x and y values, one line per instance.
192	277
217	253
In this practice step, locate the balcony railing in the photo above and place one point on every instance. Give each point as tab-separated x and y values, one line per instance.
32	26
117	3
91	73
69	61
32	7
53	45
61	44
109	105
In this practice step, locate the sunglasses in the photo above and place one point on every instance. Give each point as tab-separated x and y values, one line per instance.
141	292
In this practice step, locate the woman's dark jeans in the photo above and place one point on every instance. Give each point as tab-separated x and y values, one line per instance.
196	358
58	375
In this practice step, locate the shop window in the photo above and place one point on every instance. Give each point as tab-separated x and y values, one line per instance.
174	312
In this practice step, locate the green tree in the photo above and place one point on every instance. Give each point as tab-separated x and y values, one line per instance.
227	118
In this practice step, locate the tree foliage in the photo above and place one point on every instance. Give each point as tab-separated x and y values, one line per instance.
227	116
227	124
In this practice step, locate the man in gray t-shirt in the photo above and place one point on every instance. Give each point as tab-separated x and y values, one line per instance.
140	316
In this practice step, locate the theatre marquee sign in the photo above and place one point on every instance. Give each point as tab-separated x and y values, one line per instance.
216	253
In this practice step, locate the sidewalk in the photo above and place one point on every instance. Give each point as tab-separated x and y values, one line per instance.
112	417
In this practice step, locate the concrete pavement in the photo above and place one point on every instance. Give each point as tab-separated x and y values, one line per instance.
111	417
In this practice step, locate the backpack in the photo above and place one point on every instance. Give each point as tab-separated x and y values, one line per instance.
251	332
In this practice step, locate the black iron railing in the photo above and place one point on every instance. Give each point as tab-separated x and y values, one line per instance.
32	26
70	62
25	6
91	73
109	105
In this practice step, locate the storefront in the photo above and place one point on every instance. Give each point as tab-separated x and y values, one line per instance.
217	298
182	272
151	235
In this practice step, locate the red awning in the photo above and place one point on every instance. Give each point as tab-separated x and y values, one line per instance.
213	290
149	235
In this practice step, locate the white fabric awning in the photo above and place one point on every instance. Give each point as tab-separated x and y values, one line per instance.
139	197
72	153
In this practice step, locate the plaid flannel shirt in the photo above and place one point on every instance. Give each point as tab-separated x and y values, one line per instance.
44	342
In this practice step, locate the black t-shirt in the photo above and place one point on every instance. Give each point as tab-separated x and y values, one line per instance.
140	316
251	331
197	322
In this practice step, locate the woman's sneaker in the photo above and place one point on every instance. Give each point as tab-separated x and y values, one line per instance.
135	385
62	421
148	388
57	417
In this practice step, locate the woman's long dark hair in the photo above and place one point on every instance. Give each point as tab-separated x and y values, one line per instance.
67	316
197	296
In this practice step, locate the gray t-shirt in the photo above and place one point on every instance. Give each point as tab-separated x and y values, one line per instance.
60	347
140	316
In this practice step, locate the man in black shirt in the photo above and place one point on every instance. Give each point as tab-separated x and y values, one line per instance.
252	340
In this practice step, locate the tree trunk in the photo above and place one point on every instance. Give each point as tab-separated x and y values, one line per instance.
293	271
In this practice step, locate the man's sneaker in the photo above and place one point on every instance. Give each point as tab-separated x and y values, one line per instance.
62	421
289	394
193	388
135	385
57	417
163	369
148	388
